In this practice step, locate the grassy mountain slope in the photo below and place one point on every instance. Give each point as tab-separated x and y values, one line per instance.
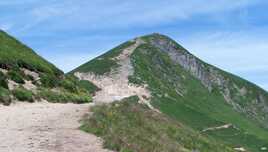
128	126
194	93
195	105
13	54
104	63
26	76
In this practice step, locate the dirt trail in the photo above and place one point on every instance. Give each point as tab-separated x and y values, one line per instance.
115	85
45	127
226	126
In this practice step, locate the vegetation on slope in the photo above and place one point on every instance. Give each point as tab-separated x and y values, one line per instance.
14	54
49	83
183	97
104	63
23	94
128	126
245	97
5	96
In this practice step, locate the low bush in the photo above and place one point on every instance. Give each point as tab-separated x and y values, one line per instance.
16	76
72	84
23	95
69	85
3	80
5	96
49	81
29	77
64	97
89	86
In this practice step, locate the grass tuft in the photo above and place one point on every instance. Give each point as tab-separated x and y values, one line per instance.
23	95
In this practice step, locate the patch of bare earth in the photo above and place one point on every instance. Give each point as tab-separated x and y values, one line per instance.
45	127
115	85
226	126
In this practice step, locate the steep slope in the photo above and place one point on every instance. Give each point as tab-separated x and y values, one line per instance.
13	53
128	126
26	76
170	80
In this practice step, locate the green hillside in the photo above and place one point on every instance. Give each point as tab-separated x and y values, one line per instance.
13	54
186	89
26	76
129	126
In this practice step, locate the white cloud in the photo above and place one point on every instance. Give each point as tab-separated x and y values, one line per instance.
238	52
69	14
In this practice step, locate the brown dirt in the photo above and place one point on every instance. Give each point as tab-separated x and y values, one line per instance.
45	127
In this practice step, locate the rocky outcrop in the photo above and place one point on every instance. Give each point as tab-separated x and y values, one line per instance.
214	78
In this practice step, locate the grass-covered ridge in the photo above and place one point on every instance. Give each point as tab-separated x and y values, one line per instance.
104	63
183	97
14	54
243	95
25	76
128	126
197	95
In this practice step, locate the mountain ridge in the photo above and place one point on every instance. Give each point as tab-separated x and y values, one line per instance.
150	89
189	90
26	76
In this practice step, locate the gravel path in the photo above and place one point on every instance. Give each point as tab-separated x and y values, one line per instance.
45	127
115	85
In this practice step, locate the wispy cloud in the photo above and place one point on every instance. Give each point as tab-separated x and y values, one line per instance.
96	14
227	33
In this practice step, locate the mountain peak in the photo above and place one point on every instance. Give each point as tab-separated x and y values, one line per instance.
156	36
162	51
169	79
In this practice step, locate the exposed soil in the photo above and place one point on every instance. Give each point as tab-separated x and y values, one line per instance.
226	126
45	127
115	85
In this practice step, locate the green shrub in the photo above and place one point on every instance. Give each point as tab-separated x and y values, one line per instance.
5	96
69	85
49	81
89	86
29	78
23	95
64	97
16	76
72	84
78	98
134	80
3	80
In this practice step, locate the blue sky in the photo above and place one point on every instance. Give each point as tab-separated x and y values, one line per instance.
231	34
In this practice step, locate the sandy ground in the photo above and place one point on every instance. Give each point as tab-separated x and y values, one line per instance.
45	127
115	85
